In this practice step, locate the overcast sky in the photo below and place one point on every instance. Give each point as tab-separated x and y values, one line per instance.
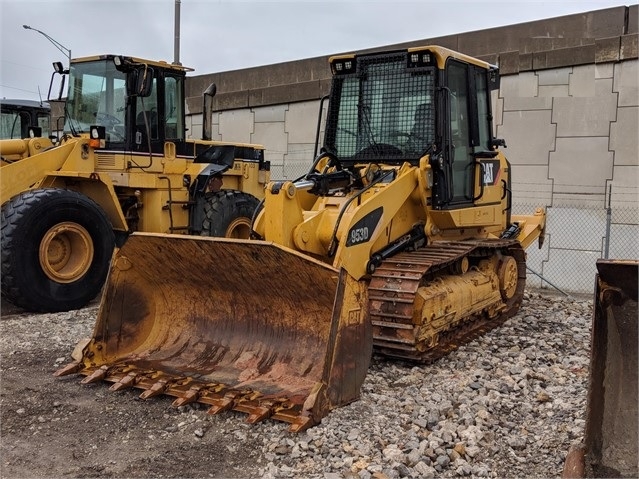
221	35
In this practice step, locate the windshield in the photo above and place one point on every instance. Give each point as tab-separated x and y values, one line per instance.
15	122
97	96
385	111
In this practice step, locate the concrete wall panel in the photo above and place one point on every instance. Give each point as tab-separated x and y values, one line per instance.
553	91
626	83
524	148
236	125
301	121
267	114
522	85
582	81
531	185
273	135
626	180
604	70
515	103
557	76
586	116
622	141
581	165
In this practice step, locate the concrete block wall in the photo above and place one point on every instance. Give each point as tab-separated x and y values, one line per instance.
568	108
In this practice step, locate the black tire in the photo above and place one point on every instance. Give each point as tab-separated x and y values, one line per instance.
56	250
228	213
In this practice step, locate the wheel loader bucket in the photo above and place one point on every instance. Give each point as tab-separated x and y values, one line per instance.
610	447
235	324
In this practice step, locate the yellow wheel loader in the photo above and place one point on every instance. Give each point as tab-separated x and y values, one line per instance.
123	164
399	238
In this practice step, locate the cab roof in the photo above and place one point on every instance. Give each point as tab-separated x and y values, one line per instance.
156	63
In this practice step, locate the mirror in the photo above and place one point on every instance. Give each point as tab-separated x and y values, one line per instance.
141	82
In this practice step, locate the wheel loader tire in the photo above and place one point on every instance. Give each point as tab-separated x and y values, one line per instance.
56	249
228	214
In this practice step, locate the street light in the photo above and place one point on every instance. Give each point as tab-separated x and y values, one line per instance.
56	43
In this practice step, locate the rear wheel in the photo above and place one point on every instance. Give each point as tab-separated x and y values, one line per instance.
228	213
56	249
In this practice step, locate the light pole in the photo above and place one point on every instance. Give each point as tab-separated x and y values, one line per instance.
56	43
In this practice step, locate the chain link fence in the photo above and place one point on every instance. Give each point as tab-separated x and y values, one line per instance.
577	236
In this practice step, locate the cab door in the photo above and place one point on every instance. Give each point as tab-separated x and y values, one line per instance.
461	158
470	130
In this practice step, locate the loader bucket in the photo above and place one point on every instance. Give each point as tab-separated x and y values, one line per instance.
612	420
235	324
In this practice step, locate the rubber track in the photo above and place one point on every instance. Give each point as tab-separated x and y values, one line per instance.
394	285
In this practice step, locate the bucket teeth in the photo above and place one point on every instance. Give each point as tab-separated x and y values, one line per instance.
225	403
192	395
70	368
97	375
156	389
301	423
259	413
126	382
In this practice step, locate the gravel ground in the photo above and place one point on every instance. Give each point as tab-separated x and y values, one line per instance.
508	404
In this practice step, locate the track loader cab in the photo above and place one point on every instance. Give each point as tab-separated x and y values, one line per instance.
399	238
401	106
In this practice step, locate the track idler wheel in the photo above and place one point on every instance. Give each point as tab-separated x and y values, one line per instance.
508	277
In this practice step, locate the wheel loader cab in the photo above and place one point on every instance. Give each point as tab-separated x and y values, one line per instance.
139	103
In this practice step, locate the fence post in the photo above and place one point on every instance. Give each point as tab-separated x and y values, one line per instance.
608	222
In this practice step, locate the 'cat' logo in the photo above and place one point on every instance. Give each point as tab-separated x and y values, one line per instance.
491	172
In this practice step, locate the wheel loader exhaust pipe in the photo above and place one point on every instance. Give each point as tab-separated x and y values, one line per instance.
243	325
612	421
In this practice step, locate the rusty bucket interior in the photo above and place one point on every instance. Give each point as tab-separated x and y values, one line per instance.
236	324
612	421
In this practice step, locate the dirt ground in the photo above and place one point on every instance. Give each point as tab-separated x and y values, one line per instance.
57	427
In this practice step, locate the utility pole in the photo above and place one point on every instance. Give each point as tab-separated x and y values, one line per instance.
176	44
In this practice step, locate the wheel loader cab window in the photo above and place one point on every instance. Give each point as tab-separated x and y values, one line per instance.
174	107
97	96
147	120
14	124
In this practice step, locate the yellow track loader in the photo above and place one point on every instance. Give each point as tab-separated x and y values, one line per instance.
123	164
399	238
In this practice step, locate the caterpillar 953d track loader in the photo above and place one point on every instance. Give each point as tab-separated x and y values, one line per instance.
124	164
400	237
